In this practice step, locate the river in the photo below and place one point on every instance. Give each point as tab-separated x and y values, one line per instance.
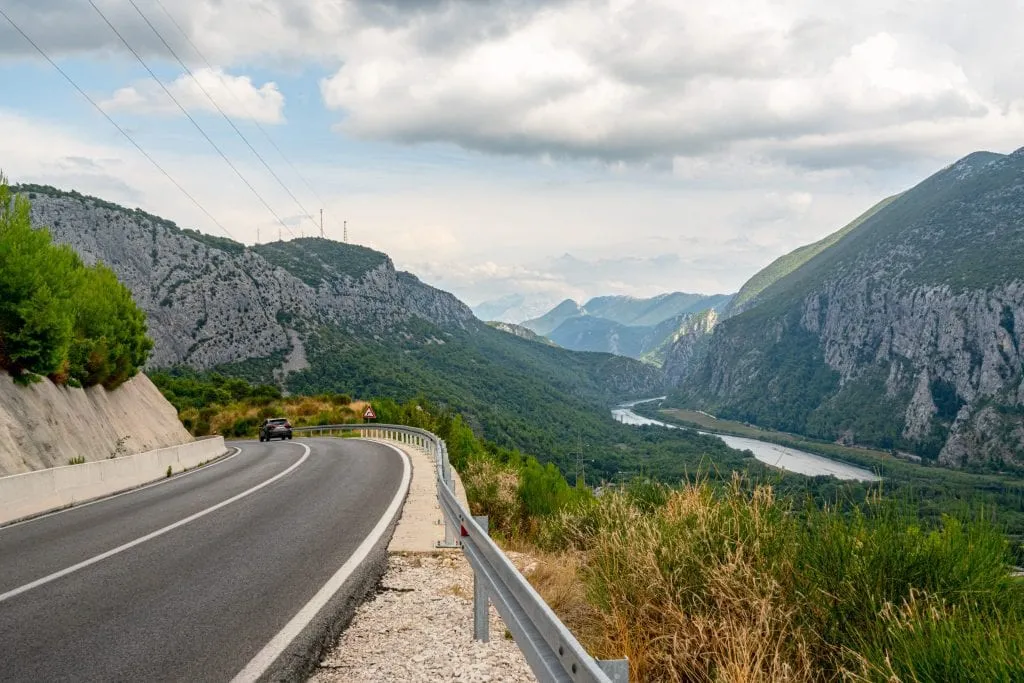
785	458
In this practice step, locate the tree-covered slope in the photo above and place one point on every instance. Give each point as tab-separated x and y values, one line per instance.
902	333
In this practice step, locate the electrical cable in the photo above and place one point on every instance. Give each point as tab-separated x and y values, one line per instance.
262	130
227	118
191	119
115	124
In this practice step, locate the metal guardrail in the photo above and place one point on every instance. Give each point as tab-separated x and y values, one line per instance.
552	651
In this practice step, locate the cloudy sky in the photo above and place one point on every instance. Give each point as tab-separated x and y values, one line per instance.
551	149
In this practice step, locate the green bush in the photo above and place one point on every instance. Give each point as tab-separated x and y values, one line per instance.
245	426
58	317
543	490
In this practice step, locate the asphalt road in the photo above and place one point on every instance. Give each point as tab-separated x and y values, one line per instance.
200	600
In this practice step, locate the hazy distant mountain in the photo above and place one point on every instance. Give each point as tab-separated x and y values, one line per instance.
624	325
548	322
513	308
627	310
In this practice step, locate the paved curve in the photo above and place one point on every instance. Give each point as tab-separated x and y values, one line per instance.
198	602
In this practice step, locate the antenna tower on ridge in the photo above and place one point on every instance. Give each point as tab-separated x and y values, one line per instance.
345	234
321	223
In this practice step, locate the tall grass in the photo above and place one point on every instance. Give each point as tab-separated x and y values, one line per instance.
711	584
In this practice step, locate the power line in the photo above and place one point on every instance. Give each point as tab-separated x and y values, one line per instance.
114	123
231	123
262	130
190	118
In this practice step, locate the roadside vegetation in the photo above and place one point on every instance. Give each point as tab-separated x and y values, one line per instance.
724	576
935	491
59	318
215	404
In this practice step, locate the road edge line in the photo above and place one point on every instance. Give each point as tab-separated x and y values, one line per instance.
14	592
77	505
279	644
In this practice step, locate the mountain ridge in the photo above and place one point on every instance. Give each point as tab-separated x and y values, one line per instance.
364	328
901	333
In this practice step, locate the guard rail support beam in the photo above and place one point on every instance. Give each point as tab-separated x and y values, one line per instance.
481	618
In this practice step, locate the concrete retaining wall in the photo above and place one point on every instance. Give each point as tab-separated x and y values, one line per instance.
31	493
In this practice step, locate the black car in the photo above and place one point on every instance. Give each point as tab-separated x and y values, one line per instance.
275	428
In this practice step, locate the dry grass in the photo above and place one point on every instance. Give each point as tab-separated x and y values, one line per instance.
734	585
301	411
685	596
684	592
493	490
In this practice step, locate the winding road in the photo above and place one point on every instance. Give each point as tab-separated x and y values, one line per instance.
232	572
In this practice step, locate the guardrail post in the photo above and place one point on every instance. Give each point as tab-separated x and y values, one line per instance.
617	669
481	620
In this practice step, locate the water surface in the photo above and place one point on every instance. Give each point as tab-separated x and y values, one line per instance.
783	457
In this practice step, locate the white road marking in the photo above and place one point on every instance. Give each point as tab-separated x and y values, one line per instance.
259	664
150	536
79	506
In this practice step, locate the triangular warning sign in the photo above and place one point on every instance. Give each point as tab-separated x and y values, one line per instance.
368	414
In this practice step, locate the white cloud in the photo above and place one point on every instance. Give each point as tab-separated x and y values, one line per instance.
720	134
236	96
661	79
641	81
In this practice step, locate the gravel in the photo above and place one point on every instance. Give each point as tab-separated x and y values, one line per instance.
419	627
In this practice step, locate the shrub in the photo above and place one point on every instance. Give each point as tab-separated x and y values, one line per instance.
245	426
58	317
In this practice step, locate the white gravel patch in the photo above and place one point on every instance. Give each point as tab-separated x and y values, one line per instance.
419	627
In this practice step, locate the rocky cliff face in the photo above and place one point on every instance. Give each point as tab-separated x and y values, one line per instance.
932	341
211	301
905	333
689	345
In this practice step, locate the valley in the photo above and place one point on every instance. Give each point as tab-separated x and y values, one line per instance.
329	333
315	329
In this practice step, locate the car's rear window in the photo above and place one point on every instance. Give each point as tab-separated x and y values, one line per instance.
278	421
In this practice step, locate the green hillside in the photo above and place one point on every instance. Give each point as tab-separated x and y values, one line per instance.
784	265
314	260
899	331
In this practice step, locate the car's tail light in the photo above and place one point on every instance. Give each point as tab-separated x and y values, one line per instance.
287	425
